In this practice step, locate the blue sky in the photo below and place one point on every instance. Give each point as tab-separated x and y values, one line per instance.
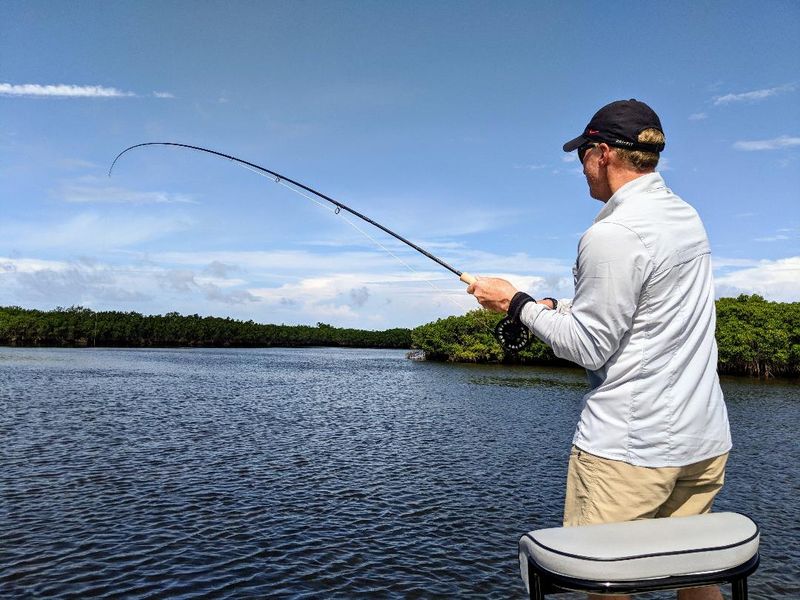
442	120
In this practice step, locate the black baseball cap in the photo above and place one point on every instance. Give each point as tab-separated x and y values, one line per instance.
619	124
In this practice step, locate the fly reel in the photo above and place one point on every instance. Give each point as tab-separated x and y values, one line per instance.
512	334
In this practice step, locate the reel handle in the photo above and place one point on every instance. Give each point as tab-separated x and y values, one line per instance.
468	279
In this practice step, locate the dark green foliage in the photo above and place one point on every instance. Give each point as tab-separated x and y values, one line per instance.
77	326
470	338
755	337
460	339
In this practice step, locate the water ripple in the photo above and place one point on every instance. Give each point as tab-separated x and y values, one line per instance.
300	473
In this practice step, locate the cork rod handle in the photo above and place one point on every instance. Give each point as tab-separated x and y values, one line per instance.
468	279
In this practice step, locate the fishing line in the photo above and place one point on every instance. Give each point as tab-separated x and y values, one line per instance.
512	334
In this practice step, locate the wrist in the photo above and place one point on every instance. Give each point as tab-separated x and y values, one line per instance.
519	300
553	302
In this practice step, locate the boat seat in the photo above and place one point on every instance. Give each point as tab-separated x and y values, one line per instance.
639	556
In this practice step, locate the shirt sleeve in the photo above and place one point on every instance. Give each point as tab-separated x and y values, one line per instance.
613	264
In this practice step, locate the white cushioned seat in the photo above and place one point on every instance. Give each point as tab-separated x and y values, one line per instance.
642	550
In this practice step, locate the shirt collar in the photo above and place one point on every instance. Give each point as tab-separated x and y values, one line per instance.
646	183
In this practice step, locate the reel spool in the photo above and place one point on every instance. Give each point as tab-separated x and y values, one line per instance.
512	334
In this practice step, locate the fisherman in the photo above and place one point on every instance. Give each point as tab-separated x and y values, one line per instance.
653	435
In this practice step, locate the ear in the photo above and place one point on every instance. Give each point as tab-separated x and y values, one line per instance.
605	154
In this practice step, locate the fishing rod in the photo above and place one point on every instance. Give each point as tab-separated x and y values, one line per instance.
465	277
511	334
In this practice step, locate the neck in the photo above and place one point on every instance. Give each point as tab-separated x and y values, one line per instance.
619	177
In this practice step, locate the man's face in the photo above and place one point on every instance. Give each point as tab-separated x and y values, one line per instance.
594	168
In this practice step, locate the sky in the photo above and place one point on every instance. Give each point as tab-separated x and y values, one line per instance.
443	121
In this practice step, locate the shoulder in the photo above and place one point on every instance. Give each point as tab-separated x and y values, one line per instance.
609	232
611	242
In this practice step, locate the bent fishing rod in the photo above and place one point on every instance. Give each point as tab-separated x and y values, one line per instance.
465	277
511	334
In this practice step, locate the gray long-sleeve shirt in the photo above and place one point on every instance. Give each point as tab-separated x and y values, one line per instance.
642	323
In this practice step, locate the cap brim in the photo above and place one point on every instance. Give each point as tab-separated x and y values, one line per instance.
575	144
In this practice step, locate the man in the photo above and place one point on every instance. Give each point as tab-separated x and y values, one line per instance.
653	435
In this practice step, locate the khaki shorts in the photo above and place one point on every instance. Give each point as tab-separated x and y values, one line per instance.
600	490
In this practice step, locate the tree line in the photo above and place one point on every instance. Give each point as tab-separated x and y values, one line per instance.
77	326
754	336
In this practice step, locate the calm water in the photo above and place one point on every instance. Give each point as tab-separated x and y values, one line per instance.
316	472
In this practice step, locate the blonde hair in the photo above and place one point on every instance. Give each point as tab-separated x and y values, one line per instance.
639	159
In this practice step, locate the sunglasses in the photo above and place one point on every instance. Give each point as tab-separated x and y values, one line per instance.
584	149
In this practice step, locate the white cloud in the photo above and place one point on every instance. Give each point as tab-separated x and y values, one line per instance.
219	270
212	289
773	238
359	289
284	261
359	296
777	143
782	234
87	232
352	297
91	283
434	219
698	116
65	283
29	265
519	262
754	96
76	163
725	263
62	91
369	265
777	280
86	194
441	222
